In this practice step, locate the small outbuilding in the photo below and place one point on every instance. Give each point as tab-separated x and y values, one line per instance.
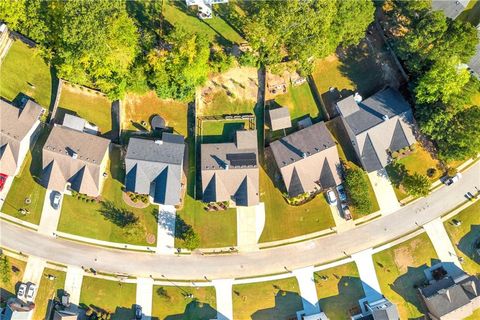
279	118
157	123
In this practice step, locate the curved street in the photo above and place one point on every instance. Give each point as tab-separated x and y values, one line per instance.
263	262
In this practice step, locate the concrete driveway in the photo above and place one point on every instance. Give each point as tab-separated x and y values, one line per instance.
367	273
387	200
144	296
6	188
166	230
308	291
33	274
223	290
50	216
73	283
250	224
441	242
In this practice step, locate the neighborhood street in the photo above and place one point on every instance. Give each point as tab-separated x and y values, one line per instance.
267	261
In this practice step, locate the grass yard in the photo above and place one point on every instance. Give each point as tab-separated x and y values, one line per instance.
47	291
171	303
400	268
278	300
465	236
471	13
25	185
94	225
9	290
299	100
93	107
221	131
108	297
339	294
216	29
23	71
223	104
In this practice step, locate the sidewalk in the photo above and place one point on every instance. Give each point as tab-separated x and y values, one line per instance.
308	291
441	242
166	230
383	189
366	269
144	296
223	289
50	216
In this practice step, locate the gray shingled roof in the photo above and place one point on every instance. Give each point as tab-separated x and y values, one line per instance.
451	8
154	167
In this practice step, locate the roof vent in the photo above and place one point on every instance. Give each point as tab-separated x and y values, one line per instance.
357	97
74	155
304	155
226	166
385	117
159	142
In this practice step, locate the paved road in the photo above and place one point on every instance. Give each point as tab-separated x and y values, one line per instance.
267	261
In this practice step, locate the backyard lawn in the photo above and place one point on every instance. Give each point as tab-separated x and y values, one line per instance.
25	185
221	131
340	291
47	291
299	100
23	71
465	237
223	104
108	296
400	268
9	290
91	106
171	303
94	225
267	300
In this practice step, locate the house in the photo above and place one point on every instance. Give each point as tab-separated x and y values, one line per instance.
308	160
205	7
18	131
74	159
377	127
230	170
381	309
279	119
79	124
16	309
155	167
451	295
65	315
451	8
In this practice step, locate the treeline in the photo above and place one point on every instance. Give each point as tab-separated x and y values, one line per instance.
127	46
435	50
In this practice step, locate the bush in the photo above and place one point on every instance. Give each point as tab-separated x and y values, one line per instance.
356	185
248	59
395	154
431	172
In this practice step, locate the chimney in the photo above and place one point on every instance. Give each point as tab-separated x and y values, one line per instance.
385	117
74	155
357	97
226	166
304	155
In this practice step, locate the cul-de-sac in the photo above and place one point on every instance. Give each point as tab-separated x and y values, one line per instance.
239	159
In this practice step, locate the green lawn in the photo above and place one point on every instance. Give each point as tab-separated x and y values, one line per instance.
465	236
95	108
171	303
176	13
221	131
25	185
471	13
94	225
9	290
47	291
108	297
299	100
267	300
400	268
339	293
23	71
223	104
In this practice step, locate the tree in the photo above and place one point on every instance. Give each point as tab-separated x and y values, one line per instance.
357	189
191	239
416	185
5	269
12	12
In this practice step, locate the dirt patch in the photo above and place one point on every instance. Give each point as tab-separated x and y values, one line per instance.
78	89
403	256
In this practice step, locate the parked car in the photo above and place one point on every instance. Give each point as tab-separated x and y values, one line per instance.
56	199
3	179
31	291
138	312
453	179
331	197
346	212
22	290
341	193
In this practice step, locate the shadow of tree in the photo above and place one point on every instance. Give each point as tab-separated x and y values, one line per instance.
118	216
345	303
182	228
287	303
468	244
195	310
397	173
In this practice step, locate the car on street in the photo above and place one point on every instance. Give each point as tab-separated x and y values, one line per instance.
341	193
22	290
346	212
331	197
452	180
56	200
3	179
138	312
31	291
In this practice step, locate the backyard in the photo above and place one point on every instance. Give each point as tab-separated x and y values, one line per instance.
47	291
466	236
26	185
221	131
278	299
339	290
300	101
400	270
94	225
9	290
171	303
105	296
87	104
23	71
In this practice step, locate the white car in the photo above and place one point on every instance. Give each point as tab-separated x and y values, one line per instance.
22	290
341	193
56	200
331	197
453	179
31	292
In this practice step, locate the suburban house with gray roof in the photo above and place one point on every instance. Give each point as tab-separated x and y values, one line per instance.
18	130
279	118
75	159
377	126
451	8
308	160
230	170
381	309
451	297
155	167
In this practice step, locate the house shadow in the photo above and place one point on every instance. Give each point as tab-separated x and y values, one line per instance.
287	303
349	292
5	294
469	243
195	310
228	133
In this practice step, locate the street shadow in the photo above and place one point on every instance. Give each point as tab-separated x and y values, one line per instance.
195	310
349	292
470	243
287	303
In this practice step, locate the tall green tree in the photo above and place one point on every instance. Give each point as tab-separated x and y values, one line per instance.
416	185
357	189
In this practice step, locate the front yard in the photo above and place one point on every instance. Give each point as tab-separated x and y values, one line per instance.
339	290
172	303
278	299
26	185
48	290
9	290
24	72
108	297
85	218
400	269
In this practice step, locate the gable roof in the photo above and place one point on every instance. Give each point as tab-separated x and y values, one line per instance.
230	170
279	118
75	157
451	8
155	167
308	159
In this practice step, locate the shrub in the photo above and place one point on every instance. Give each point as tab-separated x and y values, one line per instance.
395	154
431	172
356	185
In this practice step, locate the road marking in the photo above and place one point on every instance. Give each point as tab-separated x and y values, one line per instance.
308	291
223	290
144	296
367	273
166	230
